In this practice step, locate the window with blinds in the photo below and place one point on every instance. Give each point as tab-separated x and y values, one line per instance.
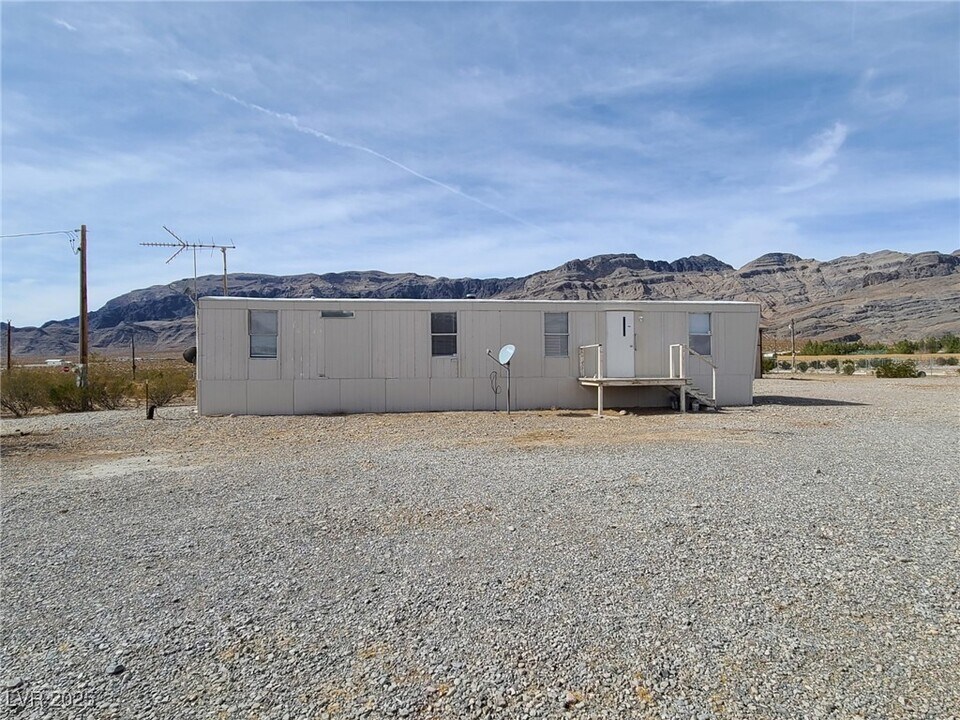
556	334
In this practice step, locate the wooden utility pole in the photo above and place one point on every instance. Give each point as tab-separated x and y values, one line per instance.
9	346
133	354
84	330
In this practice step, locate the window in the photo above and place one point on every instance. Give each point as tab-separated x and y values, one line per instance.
263	333
556	334
443	334
700	333
336	313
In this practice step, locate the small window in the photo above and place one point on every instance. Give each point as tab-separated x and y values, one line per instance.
336	313
443	334
263	333
556	334
700	333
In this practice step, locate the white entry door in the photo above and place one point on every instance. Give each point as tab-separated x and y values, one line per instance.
618	350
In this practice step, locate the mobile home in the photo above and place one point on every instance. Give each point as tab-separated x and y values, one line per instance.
316	356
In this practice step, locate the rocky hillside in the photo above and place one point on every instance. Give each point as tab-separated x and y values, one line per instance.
881	296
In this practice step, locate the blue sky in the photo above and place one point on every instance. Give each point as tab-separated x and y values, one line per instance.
461	139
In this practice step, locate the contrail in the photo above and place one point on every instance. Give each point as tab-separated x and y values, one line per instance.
295	123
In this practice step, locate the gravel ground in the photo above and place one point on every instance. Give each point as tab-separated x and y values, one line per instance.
795	559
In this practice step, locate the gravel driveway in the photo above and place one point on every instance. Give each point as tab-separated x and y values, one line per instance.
794	559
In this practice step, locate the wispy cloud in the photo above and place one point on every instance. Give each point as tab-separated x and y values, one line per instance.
872	92
64	24
185	75
823	147
815	162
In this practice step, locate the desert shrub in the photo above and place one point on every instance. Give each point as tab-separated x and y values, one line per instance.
108	388
803	366
64	395
848	367
898	369
816	365
952	361
941	361
833	364
767	364
168	384
24	390
783	365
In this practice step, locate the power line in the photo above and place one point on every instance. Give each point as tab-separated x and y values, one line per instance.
80	250
71	236
69	233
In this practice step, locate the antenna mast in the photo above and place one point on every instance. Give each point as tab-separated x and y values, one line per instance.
180	245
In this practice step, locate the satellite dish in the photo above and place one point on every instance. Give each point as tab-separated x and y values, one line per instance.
506	352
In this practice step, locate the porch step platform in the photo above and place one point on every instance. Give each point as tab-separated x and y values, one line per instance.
681	387
633	382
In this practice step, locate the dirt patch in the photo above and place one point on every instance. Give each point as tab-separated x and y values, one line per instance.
539	438
30	445
108	467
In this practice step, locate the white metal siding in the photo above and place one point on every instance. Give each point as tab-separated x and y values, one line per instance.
407	395
734	348
451	394
316	397
392	335
484	397
479	331
524	329
583	331
270	397
367	395
301	344
400	348
224	397
225	342
347	347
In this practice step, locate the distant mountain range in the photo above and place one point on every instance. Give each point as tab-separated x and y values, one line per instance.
882	296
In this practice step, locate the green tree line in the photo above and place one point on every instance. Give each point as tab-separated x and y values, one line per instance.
948	343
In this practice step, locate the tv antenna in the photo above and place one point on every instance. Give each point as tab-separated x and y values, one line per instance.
180	245
503	360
